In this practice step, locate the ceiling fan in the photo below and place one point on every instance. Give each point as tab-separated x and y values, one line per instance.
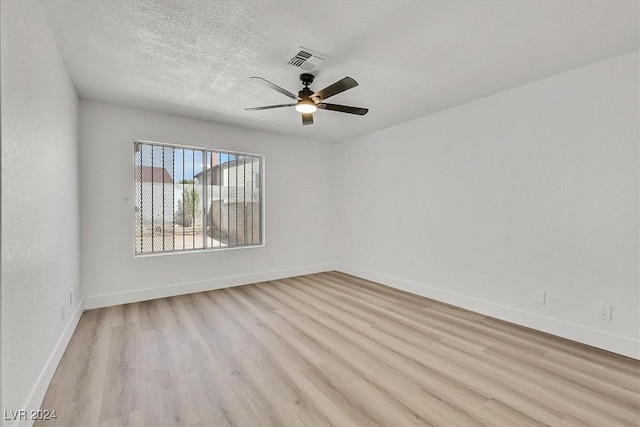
307	101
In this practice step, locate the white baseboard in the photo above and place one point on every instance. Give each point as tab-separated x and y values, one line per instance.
616	344
34	400
107	300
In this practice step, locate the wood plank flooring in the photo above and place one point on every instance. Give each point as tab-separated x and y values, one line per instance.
329	349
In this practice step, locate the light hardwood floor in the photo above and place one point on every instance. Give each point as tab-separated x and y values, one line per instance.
329	349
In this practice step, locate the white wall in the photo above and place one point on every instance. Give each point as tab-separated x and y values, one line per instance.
298	198
480	205
40	206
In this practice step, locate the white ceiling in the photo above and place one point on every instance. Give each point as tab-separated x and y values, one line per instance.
411	58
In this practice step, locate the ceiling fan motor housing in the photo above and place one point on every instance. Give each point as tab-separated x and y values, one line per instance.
306	79
305	93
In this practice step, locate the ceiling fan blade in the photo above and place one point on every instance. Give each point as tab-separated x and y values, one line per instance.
344	109
307	119
336	88
276	88
268	107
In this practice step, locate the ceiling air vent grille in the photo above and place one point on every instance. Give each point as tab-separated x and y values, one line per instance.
307	59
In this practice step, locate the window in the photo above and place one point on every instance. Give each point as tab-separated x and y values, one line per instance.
191	198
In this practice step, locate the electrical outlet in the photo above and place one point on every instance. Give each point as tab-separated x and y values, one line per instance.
539	297
61	311
603	311
70	298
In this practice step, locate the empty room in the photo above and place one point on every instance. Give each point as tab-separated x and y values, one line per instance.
345	213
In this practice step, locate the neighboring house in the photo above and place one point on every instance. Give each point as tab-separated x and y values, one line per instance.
233	199
152	174
241	172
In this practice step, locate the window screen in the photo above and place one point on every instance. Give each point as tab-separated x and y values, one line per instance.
195	198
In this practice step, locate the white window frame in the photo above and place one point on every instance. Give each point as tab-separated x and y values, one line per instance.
261	188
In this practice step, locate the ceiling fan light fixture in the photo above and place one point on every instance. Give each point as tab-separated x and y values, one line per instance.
308	101
306	106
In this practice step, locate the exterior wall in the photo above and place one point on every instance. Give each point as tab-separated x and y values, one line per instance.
235	223
151	194
241	174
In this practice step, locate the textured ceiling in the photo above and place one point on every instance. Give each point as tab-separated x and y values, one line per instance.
194	58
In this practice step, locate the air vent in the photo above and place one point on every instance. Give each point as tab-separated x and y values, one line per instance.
307	59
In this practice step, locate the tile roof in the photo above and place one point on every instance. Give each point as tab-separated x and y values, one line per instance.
152	174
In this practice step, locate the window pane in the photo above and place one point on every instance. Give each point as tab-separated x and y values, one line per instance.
190	199
188	192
